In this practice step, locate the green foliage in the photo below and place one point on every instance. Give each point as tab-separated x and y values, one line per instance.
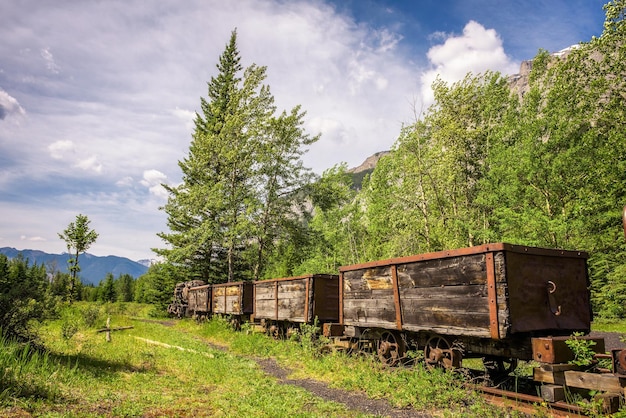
242	180
582	349
78	237
543	167
68	329
26	372
156	286
23	297
91	315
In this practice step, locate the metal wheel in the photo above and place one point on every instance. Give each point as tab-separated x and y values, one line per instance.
439	353
390	349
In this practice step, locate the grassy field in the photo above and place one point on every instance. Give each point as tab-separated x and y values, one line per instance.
181	368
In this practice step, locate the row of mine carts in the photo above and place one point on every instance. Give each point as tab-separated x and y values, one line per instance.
497	302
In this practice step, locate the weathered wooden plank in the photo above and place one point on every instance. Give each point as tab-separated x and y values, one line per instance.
373	313
435	318
594	381
553	393
444	272
547	376
462	291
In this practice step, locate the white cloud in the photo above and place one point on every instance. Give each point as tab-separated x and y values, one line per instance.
122	82
33	239
125	182
49	60
59	148
152	179
476	50
90	164
9	106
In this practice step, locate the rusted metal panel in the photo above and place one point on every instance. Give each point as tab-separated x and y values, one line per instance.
555	350
298	299
548	292
341	298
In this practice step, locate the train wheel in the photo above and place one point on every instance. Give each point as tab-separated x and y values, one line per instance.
390	349
439	353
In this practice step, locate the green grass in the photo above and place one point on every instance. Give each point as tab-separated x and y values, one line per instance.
134	376
156	370
609	325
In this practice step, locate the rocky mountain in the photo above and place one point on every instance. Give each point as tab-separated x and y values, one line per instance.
358	173
518	84
93	268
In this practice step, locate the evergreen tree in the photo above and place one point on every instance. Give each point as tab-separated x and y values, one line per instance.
240	178
124	288
23	296
106	292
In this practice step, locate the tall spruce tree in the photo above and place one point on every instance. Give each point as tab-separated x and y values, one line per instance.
240	178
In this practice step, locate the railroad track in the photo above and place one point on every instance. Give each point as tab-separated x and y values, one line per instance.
528	404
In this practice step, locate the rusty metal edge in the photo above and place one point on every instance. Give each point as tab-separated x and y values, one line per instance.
526	398
304	276
396	296
200	287
308	297
494	326
500	246
341	298
276	300
229	284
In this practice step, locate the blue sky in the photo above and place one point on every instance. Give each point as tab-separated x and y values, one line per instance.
97	97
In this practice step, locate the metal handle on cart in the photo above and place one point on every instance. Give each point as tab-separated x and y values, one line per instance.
554	308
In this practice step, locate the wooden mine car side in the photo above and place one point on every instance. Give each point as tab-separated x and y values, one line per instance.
299	299
479	295
200	301
233	298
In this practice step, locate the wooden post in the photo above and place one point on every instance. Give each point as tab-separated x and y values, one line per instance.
108	332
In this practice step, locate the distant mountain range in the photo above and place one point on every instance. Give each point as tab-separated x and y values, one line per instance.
93	268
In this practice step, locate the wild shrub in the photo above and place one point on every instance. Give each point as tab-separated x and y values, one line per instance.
22	296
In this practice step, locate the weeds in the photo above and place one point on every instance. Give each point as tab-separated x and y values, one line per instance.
582	349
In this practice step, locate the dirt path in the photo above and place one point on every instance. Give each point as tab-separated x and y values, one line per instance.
353	400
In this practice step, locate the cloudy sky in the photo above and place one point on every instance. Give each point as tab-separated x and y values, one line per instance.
97	97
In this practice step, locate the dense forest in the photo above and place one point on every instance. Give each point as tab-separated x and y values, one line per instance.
542	166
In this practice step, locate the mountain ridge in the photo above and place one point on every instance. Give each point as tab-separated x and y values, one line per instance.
93	268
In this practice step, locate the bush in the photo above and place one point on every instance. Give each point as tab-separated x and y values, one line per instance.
22	296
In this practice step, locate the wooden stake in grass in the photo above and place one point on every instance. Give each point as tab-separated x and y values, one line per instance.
108	329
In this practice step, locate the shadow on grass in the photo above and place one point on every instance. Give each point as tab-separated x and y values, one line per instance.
95	367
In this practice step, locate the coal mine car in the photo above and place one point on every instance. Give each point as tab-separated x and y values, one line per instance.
180	303
484	301
233	299
200	301
497	302
285	303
